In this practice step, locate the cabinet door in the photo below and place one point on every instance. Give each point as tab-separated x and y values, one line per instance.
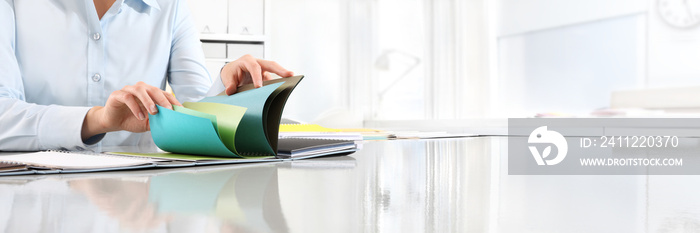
214	50
236	51
210	16
246	17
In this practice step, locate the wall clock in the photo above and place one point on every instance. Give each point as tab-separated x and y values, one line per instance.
680	13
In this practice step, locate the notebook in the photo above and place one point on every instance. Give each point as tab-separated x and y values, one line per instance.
7	166
65	160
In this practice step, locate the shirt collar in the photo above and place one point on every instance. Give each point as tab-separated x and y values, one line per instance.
152	3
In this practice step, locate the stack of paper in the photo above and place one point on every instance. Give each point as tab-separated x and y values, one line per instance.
317	131
322	135
427	135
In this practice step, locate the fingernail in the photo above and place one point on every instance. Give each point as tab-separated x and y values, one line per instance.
141	116
154	109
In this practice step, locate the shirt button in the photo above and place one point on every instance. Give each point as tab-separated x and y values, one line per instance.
96	36
96	77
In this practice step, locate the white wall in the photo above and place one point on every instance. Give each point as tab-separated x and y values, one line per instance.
571	69
516	16
307	37
567	55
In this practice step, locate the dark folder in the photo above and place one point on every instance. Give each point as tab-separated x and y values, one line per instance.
307	148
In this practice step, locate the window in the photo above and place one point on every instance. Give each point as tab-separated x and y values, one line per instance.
417	59
399	87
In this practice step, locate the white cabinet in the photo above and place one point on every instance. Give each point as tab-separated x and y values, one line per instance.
235	51
219	53
214	50
229	29
246	17
210	16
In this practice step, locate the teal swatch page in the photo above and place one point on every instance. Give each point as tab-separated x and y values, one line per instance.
272	109
255	142
184	133
228	118
188	111
242	125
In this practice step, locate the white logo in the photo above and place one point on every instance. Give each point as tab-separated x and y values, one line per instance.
542	135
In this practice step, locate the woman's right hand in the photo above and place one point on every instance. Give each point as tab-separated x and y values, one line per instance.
127	109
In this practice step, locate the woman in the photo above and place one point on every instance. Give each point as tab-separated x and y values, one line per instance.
79	74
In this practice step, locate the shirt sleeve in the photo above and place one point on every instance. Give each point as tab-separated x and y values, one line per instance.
26	126
187	74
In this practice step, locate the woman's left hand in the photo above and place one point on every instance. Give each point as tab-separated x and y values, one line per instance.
249	69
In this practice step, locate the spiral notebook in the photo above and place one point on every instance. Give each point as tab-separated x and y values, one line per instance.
74	161
12	166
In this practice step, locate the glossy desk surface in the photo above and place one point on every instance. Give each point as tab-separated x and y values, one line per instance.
449	185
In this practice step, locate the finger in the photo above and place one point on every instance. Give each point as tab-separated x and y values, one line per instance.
255	71
267	76
232	85
142	94
231	75
172	98
148	123
143	109
130	101
273	67
159	97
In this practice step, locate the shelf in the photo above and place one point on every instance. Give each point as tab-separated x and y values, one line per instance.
220	60
233	38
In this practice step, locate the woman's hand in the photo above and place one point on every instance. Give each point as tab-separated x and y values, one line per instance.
127	109
249	69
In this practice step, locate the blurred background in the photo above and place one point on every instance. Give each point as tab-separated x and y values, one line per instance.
418	62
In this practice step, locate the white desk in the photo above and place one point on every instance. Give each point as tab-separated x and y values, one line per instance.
451	185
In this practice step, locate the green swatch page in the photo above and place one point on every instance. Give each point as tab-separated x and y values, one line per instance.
245	124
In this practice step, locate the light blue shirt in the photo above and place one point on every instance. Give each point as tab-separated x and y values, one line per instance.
57	60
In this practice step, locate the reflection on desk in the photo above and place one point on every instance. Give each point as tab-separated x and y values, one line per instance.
446	185
230	200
